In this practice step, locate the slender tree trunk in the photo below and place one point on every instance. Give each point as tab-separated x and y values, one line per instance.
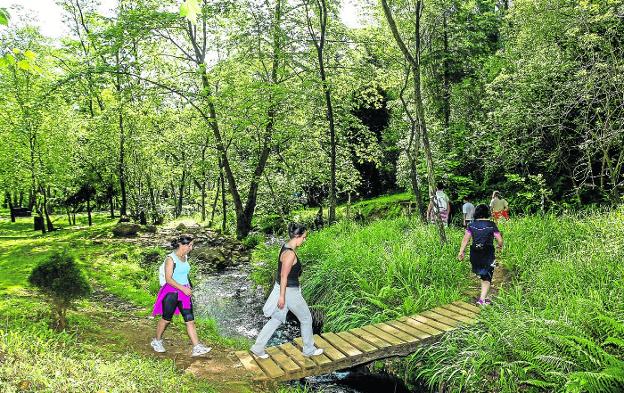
414	61
45	210
223	202
214	202
181	194
89	211
413	150
11	205
122	143
319	43
446	99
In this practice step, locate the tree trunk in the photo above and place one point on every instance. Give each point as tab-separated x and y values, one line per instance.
446	98
223	202
214	202
10	203
122	142
45	209
414	61
319	44
181	194
89	211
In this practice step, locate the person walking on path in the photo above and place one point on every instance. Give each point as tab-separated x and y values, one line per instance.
468	211
440	202
174	297
499	207
482	253
286	295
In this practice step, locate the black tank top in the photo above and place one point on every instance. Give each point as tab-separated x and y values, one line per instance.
295	271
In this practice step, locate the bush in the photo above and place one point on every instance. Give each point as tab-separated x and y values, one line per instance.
252	240
60	279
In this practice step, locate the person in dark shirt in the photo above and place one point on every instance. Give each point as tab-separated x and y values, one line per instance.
286	295
482	255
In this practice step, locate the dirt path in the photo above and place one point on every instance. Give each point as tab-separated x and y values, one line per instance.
122	328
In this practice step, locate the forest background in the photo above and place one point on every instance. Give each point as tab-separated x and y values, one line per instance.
236	110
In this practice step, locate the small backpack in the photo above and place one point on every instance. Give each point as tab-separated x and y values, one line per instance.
161	271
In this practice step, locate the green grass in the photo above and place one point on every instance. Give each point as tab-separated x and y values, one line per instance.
387	206
560	324
359	274
36	358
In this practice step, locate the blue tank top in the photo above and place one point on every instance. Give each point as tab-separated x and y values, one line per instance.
181	270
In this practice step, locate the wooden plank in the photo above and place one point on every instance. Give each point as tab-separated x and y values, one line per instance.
250	365
396	332
409	330
320	360
453	315
432	322
383	335
371	338
357	342
283	361
461	311
341	344
295	355
328	349
421	326
467	306
441	318
269	367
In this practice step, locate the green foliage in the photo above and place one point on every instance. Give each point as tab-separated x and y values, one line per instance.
4	17
558	326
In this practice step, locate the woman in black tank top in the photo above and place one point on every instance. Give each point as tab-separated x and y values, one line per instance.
286	296
292	279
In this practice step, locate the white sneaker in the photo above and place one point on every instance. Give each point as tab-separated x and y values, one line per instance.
319	351
261	355
158	345
200	349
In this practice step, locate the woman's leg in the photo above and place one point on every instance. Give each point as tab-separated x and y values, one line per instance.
299	307
265	335
485	288
169	304
189	321
192	332
161	327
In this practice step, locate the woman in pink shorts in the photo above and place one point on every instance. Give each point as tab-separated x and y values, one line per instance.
174	296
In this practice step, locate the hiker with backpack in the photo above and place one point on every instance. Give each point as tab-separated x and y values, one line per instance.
174	296
439	203
482	254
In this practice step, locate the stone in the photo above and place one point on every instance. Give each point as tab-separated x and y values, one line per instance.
126	229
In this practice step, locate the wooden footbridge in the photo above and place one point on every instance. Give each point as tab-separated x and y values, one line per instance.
358	346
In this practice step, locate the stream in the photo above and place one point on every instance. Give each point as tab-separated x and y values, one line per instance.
235	302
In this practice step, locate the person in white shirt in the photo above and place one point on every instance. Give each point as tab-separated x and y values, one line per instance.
468	209
442	205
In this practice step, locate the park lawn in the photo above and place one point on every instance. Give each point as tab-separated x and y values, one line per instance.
37	358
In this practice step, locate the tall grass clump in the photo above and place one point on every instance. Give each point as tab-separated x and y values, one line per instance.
559	325
360	274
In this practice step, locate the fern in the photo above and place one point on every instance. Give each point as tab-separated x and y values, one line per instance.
609	380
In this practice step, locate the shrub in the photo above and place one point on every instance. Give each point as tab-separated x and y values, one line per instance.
60	279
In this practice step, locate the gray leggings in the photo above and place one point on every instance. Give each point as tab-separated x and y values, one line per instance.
298	306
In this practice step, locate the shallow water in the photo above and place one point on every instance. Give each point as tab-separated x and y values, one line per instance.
235	302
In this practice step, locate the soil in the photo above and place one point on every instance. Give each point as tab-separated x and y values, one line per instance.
121	328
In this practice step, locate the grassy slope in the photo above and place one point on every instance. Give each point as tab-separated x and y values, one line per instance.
558	325
36	358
